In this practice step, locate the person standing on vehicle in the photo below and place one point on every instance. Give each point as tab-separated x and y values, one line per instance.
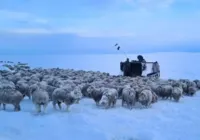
156	68
143	61
127	67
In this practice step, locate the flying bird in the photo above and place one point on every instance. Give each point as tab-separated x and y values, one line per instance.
118	47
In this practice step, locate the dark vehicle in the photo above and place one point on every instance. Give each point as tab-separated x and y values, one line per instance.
135	68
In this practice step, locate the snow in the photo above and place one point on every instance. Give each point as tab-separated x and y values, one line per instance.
165	120
2	67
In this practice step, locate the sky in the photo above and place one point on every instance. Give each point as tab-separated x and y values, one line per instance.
94	26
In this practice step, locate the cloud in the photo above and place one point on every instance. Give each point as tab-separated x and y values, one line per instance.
107	33
150	4
13	16
79	32
28	31
140	27
149	27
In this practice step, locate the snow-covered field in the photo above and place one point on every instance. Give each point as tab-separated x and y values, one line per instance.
173	65
165	120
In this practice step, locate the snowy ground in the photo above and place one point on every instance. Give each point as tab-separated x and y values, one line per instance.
165	120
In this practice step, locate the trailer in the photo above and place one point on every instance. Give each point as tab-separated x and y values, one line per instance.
136	68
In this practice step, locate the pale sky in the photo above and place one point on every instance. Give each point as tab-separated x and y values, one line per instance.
94	26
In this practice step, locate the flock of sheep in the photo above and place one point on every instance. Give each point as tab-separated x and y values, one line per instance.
57	86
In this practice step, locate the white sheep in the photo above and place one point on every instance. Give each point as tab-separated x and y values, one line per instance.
154	98
23	87
39	98
176	93
84	91
10	96
63	95
6	84
184	87
128	96
109	97
145	97
77	93
197	83
96	93
164	91
48	88
191	90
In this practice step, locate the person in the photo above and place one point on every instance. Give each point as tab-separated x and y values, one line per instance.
140	58
126	68
155	69
143	61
